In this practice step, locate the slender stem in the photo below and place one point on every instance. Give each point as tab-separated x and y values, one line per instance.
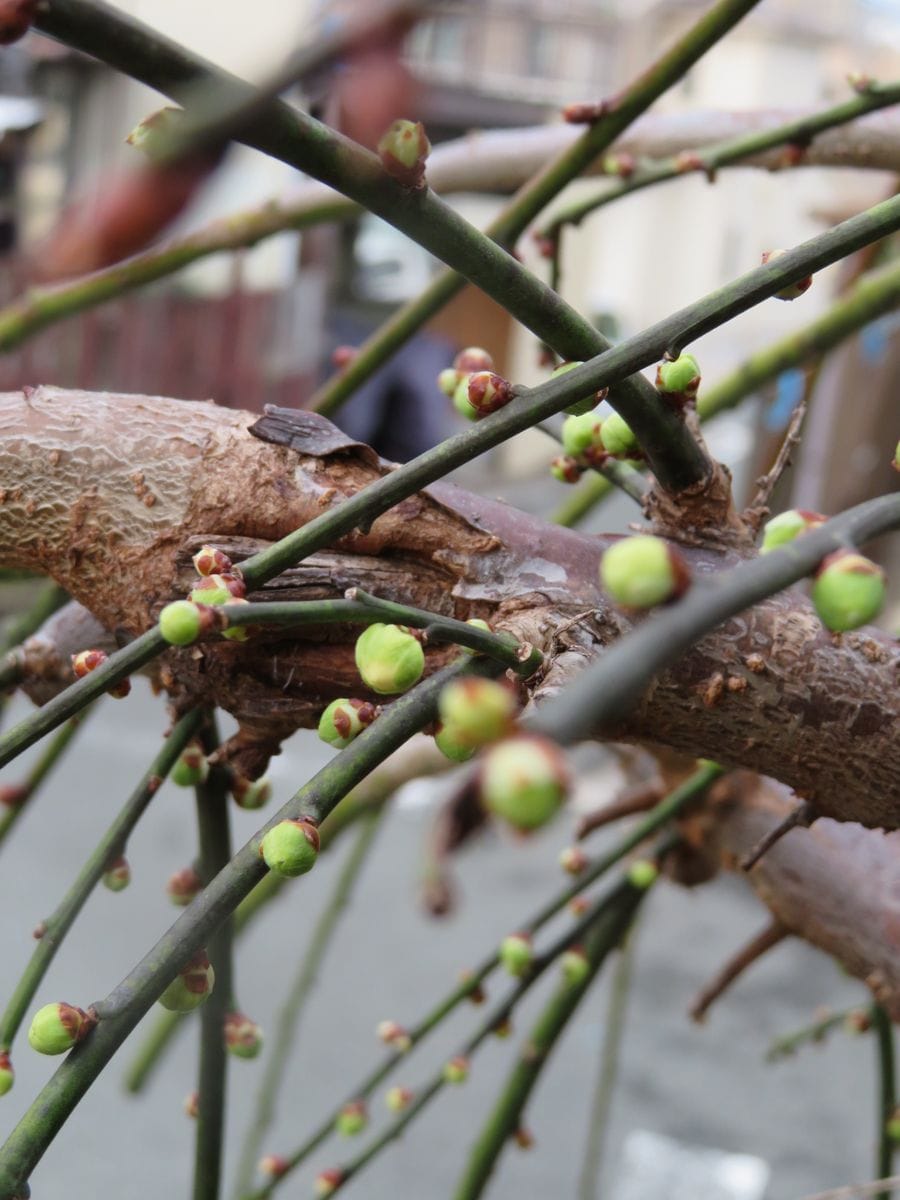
48	758
121	1011
576	506
790	1043
887	1094
213	823
47	600
798	133
360	608
370	795
506	1115
79	694
693	787
287	1026
598	1123
109	847
874	295
607	689
533	197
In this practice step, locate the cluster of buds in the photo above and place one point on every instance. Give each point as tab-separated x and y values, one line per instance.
117	875
787	526
473	712
183	886
343	720
589	439
403	151
473	385
16	18
517	954
678	380
191	987
243	1037
290	848
394	1035
643	571
87	661
183	621
352	1119
192	767
217	590
389	658
849	591
251	793
524	781
793	290
56	1028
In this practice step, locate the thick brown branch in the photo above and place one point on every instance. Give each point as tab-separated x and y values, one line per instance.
111	494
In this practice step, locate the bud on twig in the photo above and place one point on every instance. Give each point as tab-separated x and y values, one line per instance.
793	290
788	525
389	659
517	954
487	392
183	886
394	1035
251	793
290	848
7	1074
566	469
678	380
352	1119
456	1070
476	710
210	561
524	781
327	1182
273	1166
398	1098
117	875
191	1104
192	767
56	1028
643	571
343	720
191	987
573	860
849	591
87	661
243	1037
472	359
574	966
403	151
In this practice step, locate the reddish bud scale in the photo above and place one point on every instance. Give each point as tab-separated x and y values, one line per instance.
13	794
220	582
394	1035
477	994
399	1098
87	661
365	712
183	886
210	561
403	151
196	974
243	1037
16	18
472	359
793	290
573	860
327	1182
343	356
566	469
273	1165
489	392
523	1138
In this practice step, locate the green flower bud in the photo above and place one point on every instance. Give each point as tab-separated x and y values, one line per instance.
477	710
251	793
788	525
183	886
488	392
398	1098
56	1028
574	966
573	860
580	407
327	1182
152	135
524	781
403	150
680	378
565	468
643	571
581	433
343	720
448	381
192	768
7	1074
517	954
191	987
461	400
210	561
643	873
389	659
290	848
217	590
892	1126
456	1070
243	1037
352	1119
616	435
472	359
849	591
793	290
180	623
117	875
452	744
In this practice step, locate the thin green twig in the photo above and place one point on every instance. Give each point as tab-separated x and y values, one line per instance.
110	846
788	1044
598	1122
47	759
214	828
287	1025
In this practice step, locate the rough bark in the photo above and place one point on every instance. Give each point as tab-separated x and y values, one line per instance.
110	495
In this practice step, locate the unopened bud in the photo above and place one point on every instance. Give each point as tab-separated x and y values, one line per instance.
191	987
352	1119
56	1028
389	659
578	407
273	1166
398	1098
524	781
243	1037
472	359
793	290
517	954
327	1182
290	848
573	860
192	768
403	151
251	793
7	1074
581	433
448	381
456	1070
394	1035
566	469
643	873
616	435
477	710
343	720
87	661
210	561
643	571
191	1104
183	886
488	392
679	380
153	135
787	526
461	400
117	875
849	591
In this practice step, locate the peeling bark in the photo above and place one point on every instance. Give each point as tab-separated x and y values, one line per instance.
111	494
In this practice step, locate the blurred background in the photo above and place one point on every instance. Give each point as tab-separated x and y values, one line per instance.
260	327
